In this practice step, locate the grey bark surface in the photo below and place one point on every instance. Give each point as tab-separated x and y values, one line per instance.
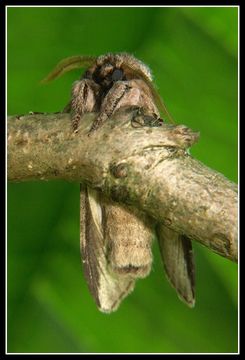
148	168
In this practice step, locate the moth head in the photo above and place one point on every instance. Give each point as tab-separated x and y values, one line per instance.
105	74
123	66
110	68
107	69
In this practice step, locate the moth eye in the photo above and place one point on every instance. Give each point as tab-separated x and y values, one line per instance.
117	75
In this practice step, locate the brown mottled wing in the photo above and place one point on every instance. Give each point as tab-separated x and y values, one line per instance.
177	256
107	288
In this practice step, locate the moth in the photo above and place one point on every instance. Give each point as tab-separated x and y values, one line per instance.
115	240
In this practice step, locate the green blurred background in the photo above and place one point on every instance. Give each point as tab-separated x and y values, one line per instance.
193	55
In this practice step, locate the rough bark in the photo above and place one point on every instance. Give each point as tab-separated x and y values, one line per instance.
148	168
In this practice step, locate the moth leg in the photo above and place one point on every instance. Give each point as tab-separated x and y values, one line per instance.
142	118
178	260
125	93
129	236
111	103
147	104
84	95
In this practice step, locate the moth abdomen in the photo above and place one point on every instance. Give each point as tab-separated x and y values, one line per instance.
129	238
133	271
131	258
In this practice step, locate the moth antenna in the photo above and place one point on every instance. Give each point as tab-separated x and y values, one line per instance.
68	64
160	104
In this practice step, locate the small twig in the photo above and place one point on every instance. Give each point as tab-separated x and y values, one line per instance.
148	168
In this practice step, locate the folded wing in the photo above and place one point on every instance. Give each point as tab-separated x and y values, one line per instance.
178	260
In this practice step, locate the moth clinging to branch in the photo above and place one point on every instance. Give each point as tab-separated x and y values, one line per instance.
116	240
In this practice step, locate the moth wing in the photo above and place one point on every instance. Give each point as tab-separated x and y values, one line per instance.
107	288
178	260
68	64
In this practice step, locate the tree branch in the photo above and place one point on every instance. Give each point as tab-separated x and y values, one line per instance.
148	168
